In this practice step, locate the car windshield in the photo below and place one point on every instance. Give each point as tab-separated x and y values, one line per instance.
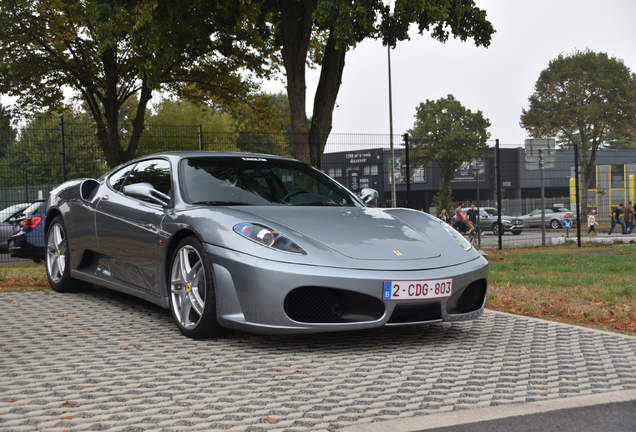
492	212
259	181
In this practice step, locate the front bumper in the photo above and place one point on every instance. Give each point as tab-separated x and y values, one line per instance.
254	295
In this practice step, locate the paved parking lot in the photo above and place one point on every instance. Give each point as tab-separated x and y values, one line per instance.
100	360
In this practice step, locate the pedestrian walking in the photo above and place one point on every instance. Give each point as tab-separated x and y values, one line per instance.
616	219
628	218
444	216
460	218
591	222
472	214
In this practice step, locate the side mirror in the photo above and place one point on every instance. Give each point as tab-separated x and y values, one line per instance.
367	195
146	192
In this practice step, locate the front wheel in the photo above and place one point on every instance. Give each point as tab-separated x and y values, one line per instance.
555	224
58	259
192	293
495	228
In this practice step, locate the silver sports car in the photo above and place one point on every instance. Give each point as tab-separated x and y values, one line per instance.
258	243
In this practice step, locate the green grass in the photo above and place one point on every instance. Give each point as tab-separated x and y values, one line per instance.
594	285
591	285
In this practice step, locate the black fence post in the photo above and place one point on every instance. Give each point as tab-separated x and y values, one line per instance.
200	138
63	149
408	171
576	194
498	169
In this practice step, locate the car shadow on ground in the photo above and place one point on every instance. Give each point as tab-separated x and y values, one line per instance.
380	339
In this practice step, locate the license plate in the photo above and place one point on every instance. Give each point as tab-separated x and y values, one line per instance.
417	290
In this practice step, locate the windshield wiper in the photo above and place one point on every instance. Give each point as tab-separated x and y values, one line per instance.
221	203
320	203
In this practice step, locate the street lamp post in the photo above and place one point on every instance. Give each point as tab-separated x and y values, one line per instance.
478	168
393	199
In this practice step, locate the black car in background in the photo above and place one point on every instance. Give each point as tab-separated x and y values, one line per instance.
28	238
7	218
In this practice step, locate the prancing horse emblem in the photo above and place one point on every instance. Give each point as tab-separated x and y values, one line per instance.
397	253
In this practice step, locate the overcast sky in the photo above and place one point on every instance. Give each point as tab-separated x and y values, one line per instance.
496	80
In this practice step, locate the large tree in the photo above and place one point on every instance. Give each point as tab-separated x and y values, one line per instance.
109	50
588	99
7	132
322	31
447	133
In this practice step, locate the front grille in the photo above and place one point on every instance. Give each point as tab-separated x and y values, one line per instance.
314	305
330	305
414	313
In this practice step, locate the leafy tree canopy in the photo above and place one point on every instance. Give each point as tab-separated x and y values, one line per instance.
110	50
588	99
322	31
7	132
447	133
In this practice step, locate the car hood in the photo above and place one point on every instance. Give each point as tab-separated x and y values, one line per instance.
358	233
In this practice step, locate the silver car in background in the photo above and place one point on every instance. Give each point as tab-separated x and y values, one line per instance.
490	222
553	217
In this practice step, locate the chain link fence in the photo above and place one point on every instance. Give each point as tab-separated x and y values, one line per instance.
40	156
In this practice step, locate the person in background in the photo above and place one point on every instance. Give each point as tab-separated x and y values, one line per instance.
616	219
460	218
591	222
628	218
472	214
444	216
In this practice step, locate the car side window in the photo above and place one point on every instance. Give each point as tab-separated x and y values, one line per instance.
117	179
154	171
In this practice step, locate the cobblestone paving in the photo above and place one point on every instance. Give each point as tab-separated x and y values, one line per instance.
102	360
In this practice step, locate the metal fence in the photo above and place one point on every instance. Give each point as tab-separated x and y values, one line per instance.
42	154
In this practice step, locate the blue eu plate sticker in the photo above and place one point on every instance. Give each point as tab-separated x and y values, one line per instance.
387	289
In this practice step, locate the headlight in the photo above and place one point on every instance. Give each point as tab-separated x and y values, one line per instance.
505	221
267	237
465	244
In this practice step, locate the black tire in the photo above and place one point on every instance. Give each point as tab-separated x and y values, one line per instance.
57	258
192	290
495	228
555	224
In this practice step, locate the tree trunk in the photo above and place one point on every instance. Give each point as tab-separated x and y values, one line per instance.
138	123
325	98
297	24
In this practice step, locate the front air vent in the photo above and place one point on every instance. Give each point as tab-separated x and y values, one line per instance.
329	306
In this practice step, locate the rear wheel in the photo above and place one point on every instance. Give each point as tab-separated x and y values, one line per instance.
58	259
555	224
192	293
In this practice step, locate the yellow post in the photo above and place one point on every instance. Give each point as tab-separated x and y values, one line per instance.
631	188
573	195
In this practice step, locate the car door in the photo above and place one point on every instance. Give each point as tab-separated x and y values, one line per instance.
128	228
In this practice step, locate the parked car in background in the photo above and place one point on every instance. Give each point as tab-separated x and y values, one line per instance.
490	222
7	217
553	217
28	238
